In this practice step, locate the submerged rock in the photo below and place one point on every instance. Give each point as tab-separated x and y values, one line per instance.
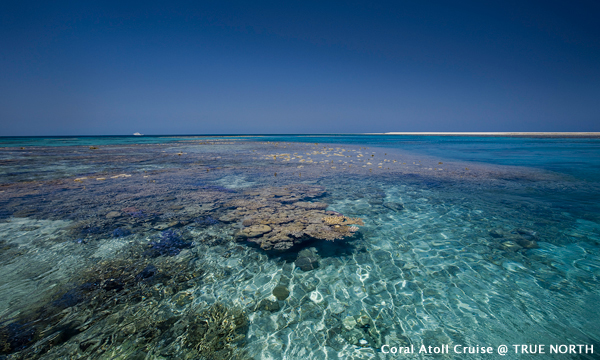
113	214
161	227
527	244
307	263
227	218
375	202
518	239
307	260
527	234
349	322
268	305
360	330
395	206
510	246
281	292
496	233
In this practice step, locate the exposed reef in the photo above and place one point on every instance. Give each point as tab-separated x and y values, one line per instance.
278	218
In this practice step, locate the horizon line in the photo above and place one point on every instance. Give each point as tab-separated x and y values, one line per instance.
419	133
497	133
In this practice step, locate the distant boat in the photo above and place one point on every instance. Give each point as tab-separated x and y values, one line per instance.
137	134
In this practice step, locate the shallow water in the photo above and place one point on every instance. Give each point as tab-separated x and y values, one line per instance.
141	251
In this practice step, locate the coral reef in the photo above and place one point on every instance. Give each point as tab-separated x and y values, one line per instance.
204	186
170	244
15	337
216	331
311	205
102	291
206	220
342	220
120	232
278	218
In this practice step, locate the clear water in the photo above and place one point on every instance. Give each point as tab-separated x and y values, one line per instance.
131	249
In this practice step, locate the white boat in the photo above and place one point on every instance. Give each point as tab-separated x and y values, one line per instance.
137	134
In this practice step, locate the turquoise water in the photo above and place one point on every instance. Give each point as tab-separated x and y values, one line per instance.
90	140
572	155
234	247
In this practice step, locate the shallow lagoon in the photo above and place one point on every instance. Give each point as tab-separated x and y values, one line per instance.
127	250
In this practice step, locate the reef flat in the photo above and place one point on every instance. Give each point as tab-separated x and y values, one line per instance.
235	249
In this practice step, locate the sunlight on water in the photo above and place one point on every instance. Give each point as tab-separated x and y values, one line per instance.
230	249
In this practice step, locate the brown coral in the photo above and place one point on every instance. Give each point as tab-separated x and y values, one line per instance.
311	205
216	331
342	220
271	220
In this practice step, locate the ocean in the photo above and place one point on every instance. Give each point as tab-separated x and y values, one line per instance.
299	247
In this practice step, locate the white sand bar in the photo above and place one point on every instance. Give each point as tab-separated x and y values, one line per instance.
585	134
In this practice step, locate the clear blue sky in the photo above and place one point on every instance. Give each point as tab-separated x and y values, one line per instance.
214	67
